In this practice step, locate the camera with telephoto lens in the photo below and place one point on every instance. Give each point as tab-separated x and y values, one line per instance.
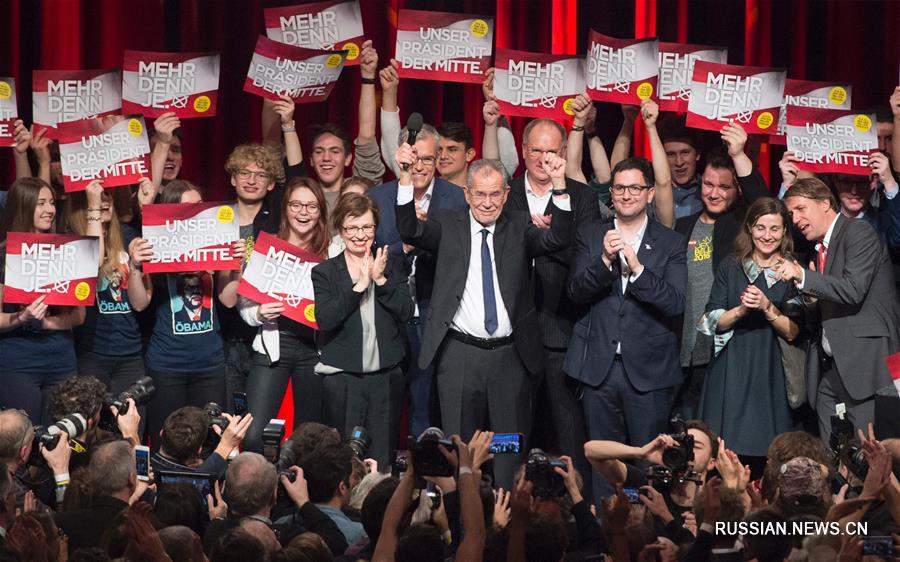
427	458
73	424
539	471
358	441
216	419
846	449
141	391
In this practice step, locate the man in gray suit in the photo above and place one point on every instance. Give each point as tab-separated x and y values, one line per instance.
852	286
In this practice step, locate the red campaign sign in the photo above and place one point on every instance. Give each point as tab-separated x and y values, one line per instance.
306	75
281	272
335	25
676	67
9	111
61	267
59	96
184	83
191	236
831	140
443	46
806	93
621	70
748	95
114	149
537	84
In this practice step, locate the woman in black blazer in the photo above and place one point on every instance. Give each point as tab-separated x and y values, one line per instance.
362	306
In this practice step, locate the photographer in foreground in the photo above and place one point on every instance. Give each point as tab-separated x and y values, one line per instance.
669	470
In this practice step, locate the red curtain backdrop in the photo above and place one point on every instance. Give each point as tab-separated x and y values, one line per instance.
841	39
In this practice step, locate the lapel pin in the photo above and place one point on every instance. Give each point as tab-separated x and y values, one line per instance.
647	247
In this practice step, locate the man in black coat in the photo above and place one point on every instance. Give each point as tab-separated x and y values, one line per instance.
531	192
482	327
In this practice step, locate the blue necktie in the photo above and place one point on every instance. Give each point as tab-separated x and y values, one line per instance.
487	285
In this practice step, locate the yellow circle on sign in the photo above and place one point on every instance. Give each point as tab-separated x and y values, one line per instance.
202	104
333	61
862	123
645	90
225	214
310	312
352	51
5	90
82	291
135	127
837	95
479	28
567	106
765	120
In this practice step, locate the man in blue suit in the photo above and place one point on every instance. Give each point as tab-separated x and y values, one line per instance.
432	196
631	274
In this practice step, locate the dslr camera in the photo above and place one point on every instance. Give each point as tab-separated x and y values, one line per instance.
539	470
73	424
142	391
846	450
427	457
676	467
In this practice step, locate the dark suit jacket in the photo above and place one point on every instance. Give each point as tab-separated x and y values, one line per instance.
643	319
445	197
556	311
340	322
857	305
85	527
516	242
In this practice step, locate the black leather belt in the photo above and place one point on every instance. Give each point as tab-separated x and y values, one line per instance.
483	343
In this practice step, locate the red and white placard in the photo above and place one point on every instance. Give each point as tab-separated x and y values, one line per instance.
114	149
806	93
9	111
676	67
306	75
537	84
621	70
60	267
335	25
443	46
191	236
831	140
281	272
748	95
70	95
184	83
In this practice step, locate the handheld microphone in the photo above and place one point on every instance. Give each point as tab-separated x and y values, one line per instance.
413	126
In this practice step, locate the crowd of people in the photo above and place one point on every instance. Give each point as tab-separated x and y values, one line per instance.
674	346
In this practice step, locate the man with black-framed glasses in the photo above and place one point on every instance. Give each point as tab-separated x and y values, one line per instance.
630	275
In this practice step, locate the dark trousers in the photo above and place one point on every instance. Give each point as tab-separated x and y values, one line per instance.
237	369
616	411
177	390
371	400
419	381
555	399
267	383
486	389
31	392
688	398
117	373
833	392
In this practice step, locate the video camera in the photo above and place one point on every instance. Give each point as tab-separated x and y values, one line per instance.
142	391
73	424
427	458
539	470
846	450
676	467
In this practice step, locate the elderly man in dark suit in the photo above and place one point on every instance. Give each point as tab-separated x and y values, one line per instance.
852	287
631	274
482	327
432	196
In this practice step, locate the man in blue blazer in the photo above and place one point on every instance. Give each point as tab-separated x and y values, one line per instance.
631	275
432	196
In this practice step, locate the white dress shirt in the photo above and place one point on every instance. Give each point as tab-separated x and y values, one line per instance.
826	346
537	204
627	274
